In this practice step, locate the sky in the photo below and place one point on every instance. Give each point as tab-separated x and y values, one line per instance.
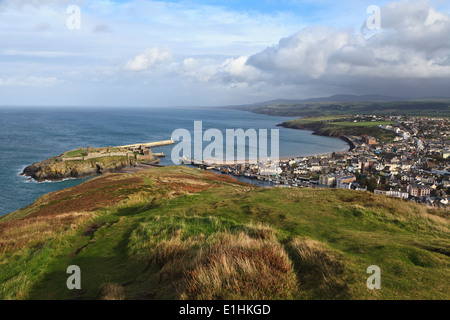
216	53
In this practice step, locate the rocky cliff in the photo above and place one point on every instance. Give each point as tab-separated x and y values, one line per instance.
331	129
55	168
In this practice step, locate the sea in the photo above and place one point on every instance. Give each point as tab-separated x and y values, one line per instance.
32	134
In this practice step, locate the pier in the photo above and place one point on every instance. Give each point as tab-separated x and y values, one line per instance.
149	144
210	162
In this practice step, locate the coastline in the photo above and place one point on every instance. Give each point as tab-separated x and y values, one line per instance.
137	167
21	191
351	146
317	133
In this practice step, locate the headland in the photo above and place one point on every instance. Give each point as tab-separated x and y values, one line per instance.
86	162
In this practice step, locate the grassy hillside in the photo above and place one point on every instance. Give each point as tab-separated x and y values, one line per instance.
333	127
314	109
181	233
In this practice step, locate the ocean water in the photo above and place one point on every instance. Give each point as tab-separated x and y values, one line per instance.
29	135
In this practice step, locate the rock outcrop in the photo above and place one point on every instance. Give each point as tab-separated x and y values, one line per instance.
55	168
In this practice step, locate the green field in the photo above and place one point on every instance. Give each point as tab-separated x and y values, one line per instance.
309	120
75	153
368	124
83	152
180	233
331	126
420	108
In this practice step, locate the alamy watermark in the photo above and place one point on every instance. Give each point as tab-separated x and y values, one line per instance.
73	22
374	21
374	281
236	150
74	281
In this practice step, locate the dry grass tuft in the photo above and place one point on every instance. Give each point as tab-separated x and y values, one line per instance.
29	232
319	268
112	291
241	267
204	259
315	255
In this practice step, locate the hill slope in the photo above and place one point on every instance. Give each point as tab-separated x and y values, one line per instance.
181	233
334	126
432	108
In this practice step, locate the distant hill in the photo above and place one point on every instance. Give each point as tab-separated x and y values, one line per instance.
338	127
353	98
343	104
334	98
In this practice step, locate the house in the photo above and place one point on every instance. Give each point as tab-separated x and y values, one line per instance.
327	180
369	140
342	182
398	193
419	190
315	168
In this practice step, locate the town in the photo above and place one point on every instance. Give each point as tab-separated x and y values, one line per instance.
413	166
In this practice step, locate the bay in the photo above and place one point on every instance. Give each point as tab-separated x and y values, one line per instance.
29	135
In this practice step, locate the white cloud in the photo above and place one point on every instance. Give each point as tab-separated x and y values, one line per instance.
229	55
219	70
306	52
38	54
237	70
20	4
414	44
148	59
29	81
197	69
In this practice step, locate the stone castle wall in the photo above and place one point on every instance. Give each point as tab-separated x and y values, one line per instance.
100	155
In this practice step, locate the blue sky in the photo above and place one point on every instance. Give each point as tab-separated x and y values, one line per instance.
167	53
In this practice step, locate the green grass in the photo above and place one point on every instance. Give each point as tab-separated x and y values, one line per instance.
425	108
83	152
366	124
319	119
318	244
75	153
331	126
